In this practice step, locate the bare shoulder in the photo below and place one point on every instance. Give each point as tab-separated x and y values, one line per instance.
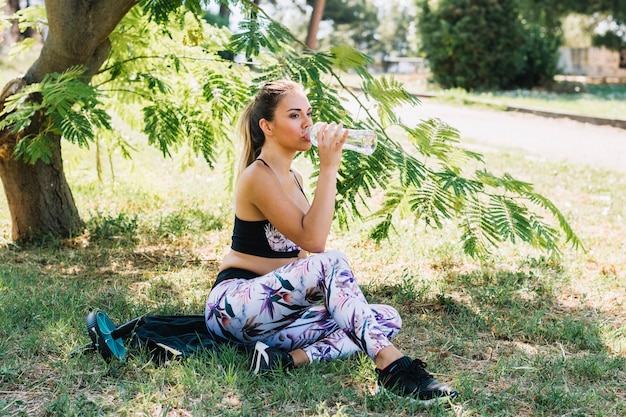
256	175
253	185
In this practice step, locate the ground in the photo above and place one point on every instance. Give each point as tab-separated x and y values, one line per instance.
552	138
556	139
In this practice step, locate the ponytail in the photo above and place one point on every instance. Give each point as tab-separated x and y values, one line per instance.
262	107
249	152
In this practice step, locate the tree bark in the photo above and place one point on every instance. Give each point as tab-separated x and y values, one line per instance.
39	198
78	35
314	23
38	195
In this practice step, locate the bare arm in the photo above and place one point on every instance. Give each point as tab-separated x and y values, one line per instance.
308	227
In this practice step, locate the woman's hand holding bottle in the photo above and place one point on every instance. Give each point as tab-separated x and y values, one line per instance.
330	138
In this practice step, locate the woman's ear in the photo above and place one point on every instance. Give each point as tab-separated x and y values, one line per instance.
265	126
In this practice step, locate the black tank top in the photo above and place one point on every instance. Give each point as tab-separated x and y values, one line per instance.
261	238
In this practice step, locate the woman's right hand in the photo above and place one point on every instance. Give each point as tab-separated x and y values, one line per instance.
330	140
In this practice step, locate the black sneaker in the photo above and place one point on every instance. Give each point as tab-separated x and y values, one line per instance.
409	378
265	358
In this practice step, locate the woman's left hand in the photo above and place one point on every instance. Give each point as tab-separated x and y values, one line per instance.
330	140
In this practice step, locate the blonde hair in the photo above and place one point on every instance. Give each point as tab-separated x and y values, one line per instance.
262	107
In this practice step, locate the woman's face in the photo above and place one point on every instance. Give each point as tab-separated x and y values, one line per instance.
291	118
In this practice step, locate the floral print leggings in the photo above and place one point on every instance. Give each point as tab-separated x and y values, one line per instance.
282	309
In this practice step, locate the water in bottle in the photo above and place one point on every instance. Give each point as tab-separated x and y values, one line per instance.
362	141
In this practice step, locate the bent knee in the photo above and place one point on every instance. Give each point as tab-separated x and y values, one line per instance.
387	314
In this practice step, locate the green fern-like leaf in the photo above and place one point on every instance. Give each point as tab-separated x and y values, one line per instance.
347	58
479	235
462	187
388	94
255	34
202	135
224	95
72	106
62	91
19	111
382	229
162	125
248	38
510	219
570	236
431	203
411	171
546	237
75	127
32	17
434	137
32	149
394	201
506	182
161	11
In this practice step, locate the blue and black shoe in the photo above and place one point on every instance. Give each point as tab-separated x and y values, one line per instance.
102	332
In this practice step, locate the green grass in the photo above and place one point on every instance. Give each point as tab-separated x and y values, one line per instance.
594	100
606	101
518	335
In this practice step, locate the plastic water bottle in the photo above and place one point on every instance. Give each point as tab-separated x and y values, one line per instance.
361	141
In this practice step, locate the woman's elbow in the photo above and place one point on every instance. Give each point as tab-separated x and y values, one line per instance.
315	246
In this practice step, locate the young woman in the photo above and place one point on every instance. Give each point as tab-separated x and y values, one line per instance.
294	308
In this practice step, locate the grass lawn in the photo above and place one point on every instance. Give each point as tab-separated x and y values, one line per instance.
517	335
605	100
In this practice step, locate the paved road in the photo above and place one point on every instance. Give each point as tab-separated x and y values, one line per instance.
549	138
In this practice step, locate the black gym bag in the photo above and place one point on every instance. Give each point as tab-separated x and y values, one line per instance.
164	337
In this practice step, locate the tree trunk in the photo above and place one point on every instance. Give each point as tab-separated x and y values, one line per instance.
38	195
39	198
314	23
224	13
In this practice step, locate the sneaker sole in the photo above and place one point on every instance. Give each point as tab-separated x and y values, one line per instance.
426	403
101	329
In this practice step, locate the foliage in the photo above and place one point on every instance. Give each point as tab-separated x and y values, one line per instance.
486	44
187	93
396	31
551	13
554	10
72	107
540	48
356	20
121	228
612	40
189	97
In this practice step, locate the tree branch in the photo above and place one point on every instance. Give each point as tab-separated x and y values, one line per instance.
78	35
